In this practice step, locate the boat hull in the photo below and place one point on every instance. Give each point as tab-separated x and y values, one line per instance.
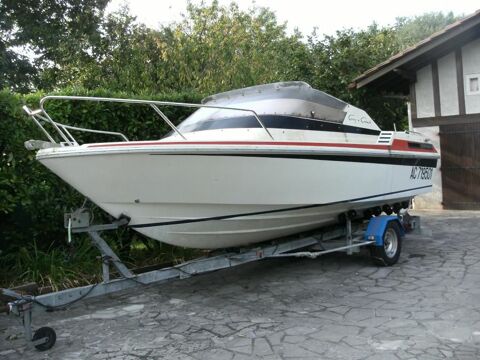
218	200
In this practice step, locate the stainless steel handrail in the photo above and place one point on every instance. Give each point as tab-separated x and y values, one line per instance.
62	129
167	120
34	115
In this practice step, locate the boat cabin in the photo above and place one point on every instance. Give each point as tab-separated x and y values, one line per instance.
285	106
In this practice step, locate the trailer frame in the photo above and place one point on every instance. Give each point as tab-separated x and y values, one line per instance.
349	237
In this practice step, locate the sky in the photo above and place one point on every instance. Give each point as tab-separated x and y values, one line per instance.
327	16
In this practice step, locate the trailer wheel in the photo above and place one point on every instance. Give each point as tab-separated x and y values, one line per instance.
388	253
46	333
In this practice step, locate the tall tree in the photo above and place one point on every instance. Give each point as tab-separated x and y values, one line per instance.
214	48
53	33
217	48
129	57
338	59
411	30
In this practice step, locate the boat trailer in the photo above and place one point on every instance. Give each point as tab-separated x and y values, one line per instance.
383	235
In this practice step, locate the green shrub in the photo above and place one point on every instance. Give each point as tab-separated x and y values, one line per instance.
58	267
33	200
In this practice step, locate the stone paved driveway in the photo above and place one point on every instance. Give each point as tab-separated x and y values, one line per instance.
335	307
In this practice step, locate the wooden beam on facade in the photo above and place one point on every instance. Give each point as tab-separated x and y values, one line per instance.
436	88
460	85
446	120
413	101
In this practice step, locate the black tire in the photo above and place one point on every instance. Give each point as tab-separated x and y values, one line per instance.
389	253
42	333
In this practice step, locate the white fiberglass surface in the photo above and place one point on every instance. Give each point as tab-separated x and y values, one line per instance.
150	188
149	178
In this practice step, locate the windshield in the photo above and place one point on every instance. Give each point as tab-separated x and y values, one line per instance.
208	119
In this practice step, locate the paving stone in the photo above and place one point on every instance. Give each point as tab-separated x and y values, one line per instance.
261	347
383	356
289	350
401	323
276	338
291	339
334	333
335	307
242	357
359	314
389	313
355	340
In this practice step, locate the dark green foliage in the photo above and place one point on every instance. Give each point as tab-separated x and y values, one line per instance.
337	60
33	200
412	30
72	45
56	32
55	266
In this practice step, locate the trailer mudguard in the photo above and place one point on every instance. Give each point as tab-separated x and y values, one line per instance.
377	226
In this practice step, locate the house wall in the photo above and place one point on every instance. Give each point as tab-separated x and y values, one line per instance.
454	85
424	92
447	78
471	68
446	94
432	200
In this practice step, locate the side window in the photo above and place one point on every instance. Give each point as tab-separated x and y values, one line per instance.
472	84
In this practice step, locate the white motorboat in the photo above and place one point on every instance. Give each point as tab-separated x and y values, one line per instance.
248	166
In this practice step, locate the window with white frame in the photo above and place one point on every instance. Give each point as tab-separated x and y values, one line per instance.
472	84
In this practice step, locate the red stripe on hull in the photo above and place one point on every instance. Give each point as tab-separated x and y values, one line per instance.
400	145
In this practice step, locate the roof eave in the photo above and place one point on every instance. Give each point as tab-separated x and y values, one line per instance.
404	57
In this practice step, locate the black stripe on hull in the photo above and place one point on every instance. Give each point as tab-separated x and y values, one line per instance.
225	217
389	160
297	123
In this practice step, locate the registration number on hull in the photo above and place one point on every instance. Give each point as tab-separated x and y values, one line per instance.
421	173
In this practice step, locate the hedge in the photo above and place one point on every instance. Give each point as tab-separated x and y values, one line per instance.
32	199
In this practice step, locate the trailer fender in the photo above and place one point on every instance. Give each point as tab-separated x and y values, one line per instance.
377	226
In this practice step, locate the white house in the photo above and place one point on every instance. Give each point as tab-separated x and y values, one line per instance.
441	75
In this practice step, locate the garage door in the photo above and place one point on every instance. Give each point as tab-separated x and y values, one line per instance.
460	149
